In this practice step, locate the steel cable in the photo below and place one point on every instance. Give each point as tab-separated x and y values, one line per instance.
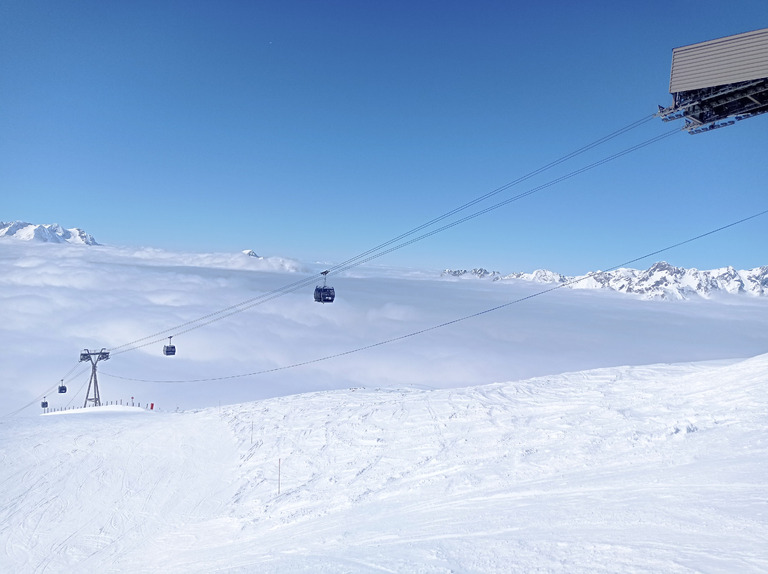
379	251
453	321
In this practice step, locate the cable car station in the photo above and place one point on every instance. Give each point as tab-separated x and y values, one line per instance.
716	83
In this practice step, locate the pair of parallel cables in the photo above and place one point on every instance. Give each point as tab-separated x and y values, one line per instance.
407	238
404	240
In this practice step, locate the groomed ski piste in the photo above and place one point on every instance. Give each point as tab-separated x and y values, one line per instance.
661	468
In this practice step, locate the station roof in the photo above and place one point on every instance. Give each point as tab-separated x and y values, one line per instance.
728	60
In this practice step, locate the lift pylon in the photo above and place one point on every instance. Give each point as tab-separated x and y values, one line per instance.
94	357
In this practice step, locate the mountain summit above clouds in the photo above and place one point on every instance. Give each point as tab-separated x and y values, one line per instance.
660	281
47	233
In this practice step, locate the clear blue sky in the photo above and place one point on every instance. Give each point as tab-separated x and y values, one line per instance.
318	129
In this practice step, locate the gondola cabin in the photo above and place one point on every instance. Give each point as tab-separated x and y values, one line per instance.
169	350
62	389
44	404
324	294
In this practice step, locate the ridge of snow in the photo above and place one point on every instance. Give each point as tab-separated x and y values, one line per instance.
45	233
660	281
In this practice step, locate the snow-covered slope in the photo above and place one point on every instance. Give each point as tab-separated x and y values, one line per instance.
50	233
634	469
660	281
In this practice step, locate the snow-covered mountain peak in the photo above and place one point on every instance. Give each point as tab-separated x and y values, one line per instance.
660	281
45	233
478	272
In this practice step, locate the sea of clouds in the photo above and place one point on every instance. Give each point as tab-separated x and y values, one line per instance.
58	299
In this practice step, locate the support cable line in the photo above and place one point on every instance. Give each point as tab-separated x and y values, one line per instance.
360	259
32	402
212	317
392	244
453	321
348	263
66	379
511	199
73	369
80	390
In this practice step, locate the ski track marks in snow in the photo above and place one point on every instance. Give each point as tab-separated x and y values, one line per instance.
633	469
100	486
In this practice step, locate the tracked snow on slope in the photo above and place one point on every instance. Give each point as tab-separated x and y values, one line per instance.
633	469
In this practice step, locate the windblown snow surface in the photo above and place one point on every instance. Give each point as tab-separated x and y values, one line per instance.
636	469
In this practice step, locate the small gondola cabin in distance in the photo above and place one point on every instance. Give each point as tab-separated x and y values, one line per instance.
716	83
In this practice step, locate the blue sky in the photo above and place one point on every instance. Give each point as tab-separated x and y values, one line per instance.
316	130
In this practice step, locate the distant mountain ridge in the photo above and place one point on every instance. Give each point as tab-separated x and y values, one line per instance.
46	233
660	281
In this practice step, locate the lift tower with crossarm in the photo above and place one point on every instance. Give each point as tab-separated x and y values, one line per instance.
94	357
